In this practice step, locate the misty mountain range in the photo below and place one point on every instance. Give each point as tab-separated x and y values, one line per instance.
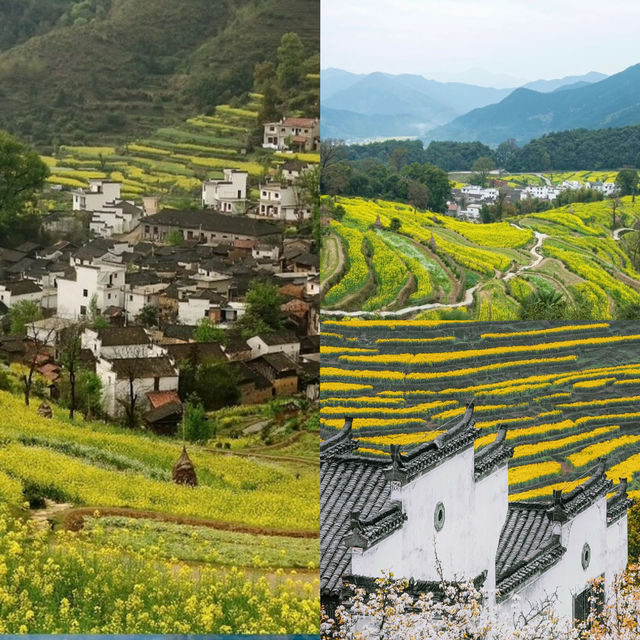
358	107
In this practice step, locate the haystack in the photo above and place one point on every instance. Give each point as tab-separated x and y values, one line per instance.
183	470
45	410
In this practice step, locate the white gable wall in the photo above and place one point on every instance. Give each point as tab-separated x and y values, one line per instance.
608	556
410	551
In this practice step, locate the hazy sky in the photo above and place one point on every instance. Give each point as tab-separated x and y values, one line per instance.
444	39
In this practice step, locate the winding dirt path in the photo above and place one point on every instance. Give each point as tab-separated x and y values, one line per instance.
617	232
73	519
534	251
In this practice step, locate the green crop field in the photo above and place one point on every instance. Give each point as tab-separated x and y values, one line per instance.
434	262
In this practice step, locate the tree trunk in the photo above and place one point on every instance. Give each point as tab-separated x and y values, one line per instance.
72	390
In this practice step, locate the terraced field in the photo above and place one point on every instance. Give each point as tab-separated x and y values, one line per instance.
175	160
435	262
568	394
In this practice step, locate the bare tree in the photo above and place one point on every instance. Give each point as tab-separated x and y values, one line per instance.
39	346
71	348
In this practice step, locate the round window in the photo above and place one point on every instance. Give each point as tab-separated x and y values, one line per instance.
586	555
438	516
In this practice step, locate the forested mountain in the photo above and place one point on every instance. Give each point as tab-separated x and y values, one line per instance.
579	148
121	68
526	114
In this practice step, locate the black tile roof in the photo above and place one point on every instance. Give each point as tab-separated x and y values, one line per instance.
347	485
493	455
201	350
278	362
22	287
418	460
212	221
278	337
123	336
526	547
143	367
619	503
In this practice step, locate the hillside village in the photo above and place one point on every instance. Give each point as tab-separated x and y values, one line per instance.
150	288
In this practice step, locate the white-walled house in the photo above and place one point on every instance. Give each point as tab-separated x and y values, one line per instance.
197	306
138	297
105	282
280	201
97	195
228	195
302	134
145	374
20	290
278	342
120	342
443	498
115	218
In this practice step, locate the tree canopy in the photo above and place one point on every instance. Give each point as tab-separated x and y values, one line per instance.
22	175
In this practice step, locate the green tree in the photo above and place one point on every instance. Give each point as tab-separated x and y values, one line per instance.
544	305
263	314
290	60
175	238
195	424
627	182
22	314
97	320
418	194
148	316
481	167
22	175
395	224
206	331
215	382
71	348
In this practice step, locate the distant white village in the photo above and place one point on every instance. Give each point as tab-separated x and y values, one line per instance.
466	202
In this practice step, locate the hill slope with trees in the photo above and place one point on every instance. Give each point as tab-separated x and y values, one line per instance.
121	68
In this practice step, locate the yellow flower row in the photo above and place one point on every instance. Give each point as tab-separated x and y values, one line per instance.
546	490
528	472
526	450
344	386
452	413
599	403
414	340
372	422
456	373
362	373
593	384
404	438
446	356
365	400
537	332
594	451
418	408
520	388
327	349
